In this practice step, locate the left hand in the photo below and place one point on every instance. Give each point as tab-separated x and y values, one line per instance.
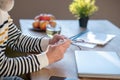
56	38
56	51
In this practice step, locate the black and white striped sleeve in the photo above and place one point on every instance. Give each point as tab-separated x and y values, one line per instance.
18	65
23	43
22	65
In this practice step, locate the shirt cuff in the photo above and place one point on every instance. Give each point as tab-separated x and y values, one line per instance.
42	58
44	43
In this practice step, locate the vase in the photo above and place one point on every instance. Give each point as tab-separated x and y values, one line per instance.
83	22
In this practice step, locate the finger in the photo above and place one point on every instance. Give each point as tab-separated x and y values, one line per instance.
60	36
64	37
64	43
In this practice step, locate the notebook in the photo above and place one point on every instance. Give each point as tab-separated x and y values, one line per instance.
98	64
95	38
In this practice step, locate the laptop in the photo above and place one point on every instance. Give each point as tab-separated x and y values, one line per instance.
98	64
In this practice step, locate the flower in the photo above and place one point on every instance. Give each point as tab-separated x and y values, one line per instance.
82	8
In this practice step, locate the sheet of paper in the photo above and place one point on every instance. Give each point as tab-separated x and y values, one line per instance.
86	45
96	38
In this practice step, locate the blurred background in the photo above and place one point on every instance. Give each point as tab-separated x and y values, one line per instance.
28	9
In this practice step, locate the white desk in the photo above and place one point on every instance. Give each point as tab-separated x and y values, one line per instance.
67	66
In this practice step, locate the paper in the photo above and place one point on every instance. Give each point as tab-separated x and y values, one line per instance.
85	45
96	38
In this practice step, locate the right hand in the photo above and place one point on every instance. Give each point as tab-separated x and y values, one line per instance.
56	52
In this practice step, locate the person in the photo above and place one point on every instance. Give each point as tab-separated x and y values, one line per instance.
51	50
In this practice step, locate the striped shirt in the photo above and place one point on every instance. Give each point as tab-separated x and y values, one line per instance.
11	36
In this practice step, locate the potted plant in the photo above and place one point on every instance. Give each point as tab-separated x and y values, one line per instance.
82	9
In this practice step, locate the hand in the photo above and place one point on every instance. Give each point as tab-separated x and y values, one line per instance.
56	52
56	38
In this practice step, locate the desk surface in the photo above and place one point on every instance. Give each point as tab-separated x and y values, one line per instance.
67	66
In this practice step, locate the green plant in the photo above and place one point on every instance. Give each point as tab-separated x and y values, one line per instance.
82	8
